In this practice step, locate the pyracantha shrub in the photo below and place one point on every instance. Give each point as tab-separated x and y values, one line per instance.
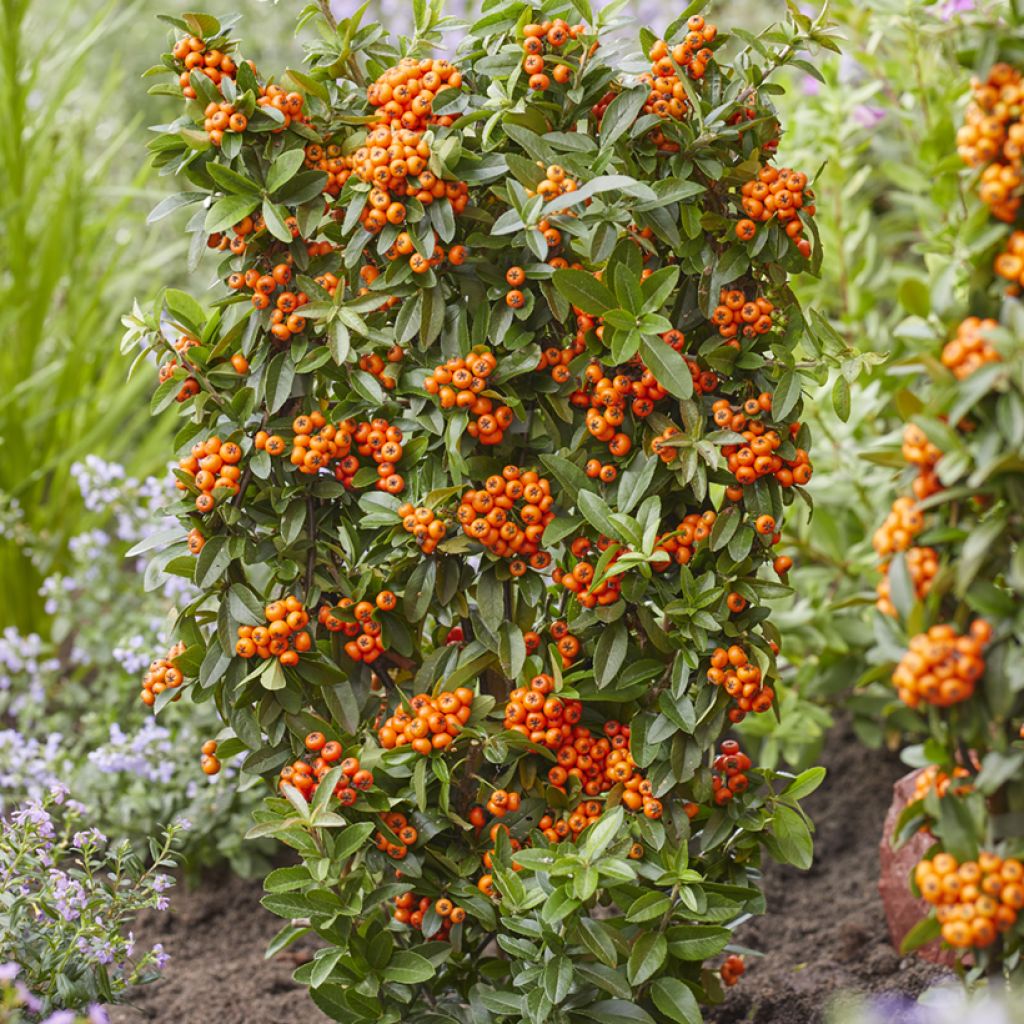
489	434
951	630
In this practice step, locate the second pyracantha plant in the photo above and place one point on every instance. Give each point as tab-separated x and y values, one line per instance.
488	437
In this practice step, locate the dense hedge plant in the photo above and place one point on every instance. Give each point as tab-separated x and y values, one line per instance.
488	436
949	629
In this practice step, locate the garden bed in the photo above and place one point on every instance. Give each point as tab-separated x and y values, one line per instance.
825	932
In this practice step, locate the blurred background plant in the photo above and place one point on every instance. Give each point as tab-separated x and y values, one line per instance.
880	131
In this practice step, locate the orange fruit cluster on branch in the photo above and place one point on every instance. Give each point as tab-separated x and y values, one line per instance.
993	135
941	667
692	56
922	565
305	774
729	779
212	465
733	671
191	54
779	193
432	724
735	314
489	516
366	642
969	350
283	636
975	901
903	523
161	675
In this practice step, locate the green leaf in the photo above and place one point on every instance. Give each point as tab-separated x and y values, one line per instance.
621	113
787	394
599	836
926	930
804	784
610	653
419	590
648	906
408	968
597	937
615	1011
676	1001
228	211
284	168
697	941
598	514
793	837
584	291
646	957
668	366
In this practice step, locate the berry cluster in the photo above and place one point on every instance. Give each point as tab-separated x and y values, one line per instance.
758	456
934	779
603	471
969	350
376	365
459	383
941	667
208	760
424	525
486	516
406	834
395	155
219	118
283	636
735	314
547	36
568	645
329	159
250	225
917	449
285	320
777	193
579	580
1010	262
433	723
922	565
974	900
212	465
191	54
161	675
733	671
680	543
668	95
729	778
288	104
732	969
903	523
540	716
410	910
306	776
993	135
190	386
366	642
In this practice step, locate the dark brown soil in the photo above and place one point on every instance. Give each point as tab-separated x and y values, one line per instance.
825	932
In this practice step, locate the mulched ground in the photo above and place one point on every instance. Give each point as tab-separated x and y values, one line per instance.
824	934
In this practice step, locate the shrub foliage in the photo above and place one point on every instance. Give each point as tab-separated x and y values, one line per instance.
488	436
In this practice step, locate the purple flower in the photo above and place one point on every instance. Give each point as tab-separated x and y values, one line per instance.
161	883
90	837
809	85
97	1015
867	116
60	1017
160	957
951	8
8	972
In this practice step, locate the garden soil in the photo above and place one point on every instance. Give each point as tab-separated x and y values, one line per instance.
824	934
